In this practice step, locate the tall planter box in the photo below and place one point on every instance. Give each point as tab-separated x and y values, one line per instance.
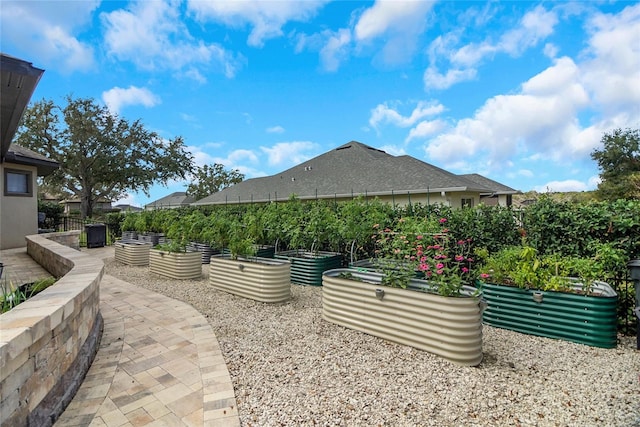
260	279
204	249
132	252
177	265
307	267
585	319
450	327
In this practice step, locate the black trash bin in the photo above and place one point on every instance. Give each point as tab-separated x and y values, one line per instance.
96	235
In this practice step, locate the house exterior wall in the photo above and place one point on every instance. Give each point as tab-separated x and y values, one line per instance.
453	199
18	214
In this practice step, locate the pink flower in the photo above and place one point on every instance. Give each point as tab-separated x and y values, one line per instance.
440	266
459	258
419	237
443	220
461	242
484	276
465	270
440	271
424	267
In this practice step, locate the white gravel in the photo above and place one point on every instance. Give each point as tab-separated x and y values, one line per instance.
291	368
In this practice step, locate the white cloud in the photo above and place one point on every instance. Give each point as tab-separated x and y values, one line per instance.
394	150
562	186
47	33
266	17
434	80
275	129
541	118
153	36
398	23
612	69
117	98
289	153
386	15
425	129
240	155
336	49
383	113
128	199
241	160
535	26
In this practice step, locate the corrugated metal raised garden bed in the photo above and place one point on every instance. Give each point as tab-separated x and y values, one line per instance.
450	327
578	317
307	266
261	279
132	252
177	265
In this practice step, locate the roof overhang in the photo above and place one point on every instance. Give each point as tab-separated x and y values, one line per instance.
398	193
19	80
45	167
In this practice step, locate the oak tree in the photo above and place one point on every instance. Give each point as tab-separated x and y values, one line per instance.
619	163
209	179
101	155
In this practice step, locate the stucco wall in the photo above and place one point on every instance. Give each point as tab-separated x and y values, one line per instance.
48	342
18	214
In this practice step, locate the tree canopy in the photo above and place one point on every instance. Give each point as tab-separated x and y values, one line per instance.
619	163
101	155
209	179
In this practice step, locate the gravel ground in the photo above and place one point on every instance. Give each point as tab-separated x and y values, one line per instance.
291	368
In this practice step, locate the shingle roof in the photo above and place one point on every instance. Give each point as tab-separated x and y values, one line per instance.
351	169
23	156
494	186
179	198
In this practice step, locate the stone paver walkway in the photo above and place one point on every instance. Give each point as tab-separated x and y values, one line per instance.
159	364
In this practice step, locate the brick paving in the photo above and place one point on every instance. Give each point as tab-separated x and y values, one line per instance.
158	364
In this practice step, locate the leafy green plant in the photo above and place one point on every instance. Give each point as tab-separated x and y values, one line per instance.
525	268
445	263
20	294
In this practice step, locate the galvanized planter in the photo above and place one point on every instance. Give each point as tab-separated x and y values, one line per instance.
450	327
585	319
205	250
260	279
177	265
132	252
307	267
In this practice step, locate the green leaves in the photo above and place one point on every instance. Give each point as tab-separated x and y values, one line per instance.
100	155
619	163
209	179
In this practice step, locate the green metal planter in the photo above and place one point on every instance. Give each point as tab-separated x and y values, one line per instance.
307	267
585	319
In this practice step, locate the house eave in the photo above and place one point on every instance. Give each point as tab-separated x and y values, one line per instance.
44	167
393	193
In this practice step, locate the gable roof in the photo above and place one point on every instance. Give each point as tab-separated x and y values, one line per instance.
495	187
178	198
351	169
19	80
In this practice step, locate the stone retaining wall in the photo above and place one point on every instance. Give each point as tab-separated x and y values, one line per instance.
48	342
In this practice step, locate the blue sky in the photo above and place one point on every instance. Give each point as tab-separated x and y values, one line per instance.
519	91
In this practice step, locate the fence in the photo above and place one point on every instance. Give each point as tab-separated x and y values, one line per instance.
627	320
71	223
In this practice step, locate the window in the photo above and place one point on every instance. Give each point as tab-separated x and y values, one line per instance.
17	183
467	203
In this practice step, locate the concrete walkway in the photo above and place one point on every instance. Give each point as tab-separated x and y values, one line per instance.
159	364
